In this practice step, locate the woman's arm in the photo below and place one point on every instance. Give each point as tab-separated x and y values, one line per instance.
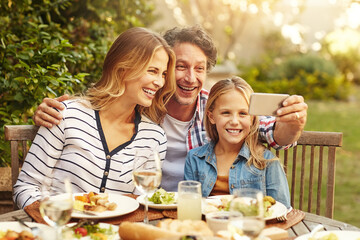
39	163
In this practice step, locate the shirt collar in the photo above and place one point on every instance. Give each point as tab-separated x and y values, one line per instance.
209	151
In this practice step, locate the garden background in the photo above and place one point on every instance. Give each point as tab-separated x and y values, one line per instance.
48	48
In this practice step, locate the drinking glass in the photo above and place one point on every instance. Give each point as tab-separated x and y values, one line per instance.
56	204
147	174
246	220
189	200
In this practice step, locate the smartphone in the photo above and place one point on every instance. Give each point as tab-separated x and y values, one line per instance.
266	104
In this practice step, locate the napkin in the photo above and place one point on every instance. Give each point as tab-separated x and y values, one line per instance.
293	217
33	211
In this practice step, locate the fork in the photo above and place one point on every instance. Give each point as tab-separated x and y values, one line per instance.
34	230
281	218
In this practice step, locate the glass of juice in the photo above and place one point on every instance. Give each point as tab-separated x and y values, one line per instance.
189	200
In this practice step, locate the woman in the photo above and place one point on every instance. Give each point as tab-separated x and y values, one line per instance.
234	158
95	143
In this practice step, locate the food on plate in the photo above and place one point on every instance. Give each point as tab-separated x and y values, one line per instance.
13	235
96	202
330	236
222	203
268	202
162	197
90	229
168	228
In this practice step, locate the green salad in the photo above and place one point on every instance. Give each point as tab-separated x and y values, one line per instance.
163	197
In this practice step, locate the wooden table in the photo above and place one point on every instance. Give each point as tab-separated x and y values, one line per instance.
303	227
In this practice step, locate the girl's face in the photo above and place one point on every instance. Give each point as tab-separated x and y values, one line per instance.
142	90
231	117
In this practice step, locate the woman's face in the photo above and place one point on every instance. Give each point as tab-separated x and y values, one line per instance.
231	117
142	90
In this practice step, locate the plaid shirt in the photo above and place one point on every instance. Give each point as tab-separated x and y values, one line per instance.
196	136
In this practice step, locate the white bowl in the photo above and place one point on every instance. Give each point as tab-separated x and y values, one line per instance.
218	221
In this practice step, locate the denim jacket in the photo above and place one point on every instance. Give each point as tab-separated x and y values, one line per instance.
200	165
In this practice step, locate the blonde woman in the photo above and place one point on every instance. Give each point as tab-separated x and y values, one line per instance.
234	158
95	143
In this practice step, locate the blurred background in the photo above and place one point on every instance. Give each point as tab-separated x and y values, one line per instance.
305	47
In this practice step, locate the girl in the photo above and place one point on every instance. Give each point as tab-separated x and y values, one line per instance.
234	158
95	143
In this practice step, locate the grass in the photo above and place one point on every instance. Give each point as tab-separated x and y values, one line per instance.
343	117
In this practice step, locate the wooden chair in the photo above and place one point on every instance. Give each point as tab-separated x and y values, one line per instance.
308	170
18	135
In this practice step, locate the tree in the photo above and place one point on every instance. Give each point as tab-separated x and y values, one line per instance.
48	48
227	20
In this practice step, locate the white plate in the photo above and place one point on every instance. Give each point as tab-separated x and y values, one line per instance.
115	228
141	200
46	232
342	235
278	209
125	205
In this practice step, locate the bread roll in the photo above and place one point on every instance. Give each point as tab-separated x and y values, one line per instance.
167	228
142	231
186	227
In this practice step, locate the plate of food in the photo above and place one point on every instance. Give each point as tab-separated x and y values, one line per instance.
273	208
87	230
102	205
332	235
161	199
18	231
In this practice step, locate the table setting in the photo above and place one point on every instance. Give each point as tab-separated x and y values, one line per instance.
134	211
157	214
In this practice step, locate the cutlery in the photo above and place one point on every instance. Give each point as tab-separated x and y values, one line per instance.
281	218
86	212
34	230
84	222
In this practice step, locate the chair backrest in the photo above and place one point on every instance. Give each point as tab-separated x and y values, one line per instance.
307	168
18	135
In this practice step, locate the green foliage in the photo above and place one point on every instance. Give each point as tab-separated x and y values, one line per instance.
48	48
285	69
308	75
342	46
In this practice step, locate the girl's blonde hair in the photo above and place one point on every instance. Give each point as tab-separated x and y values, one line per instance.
252	140
128	58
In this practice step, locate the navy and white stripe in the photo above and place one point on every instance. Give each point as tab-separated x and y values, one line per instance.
76	149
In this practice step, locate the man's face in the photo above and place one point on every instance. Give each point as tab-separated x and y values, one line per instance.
190	72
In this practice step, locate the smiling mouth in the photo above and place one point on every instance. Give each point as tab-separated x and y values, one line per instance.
187	88
149	91
233	130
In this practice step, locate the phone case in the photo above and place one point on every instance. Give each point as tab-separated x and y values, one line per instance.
265	104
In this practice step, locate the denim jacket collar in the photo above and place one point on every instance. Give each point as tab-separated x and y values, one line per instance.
208	152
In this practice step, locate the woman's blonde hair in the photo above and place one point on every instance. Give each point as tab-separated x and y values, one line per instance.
252	140
128	58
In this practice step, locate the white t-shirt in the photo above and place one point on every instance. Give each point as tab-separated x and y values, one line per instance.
173	166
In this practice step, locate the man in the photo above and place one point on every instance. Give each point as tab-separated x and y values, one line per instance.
195	56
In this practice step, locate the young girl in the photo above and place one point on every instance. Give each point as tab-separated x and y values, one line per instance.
234	158
95	143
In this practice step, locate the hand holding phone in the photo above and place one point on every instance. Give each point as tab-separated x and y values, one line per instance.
266	104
